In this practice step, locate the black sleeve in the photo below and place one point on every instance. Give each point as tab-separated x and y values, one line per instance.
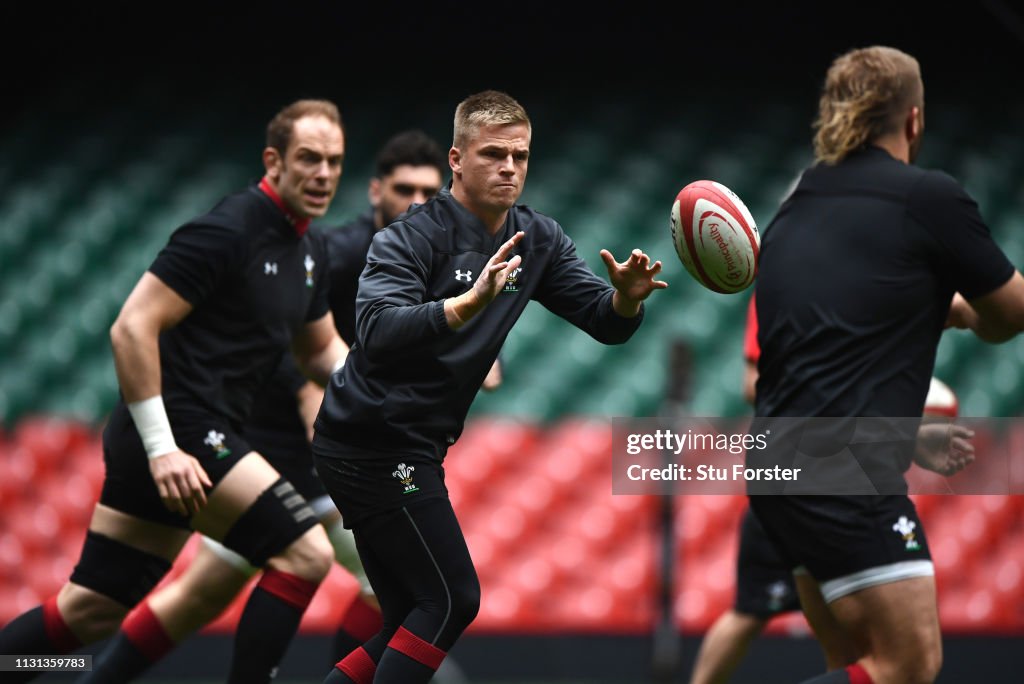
288	375
574	292
968	256
319	304
391	313
347	260
196	258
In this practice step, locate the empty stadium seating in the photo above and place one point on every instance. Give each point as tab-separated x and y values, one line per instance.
121	187
555	550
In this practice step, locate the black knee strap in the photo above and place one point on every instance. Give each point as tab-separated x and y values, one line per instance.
278	517
118	570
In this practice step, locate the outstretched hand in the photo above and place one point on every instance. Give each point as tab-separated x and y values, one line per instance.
944	449
458	310
633	280
497	270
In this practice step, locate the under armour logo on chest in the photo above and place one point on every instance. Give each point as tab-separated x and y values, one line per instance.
269	268
464	275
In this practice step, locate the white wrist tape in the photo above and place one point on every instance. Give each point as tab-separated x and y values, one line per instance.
154	428
338	365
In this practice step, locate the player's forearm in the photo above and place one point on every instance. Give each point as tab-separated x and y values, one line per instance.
309	397
318	365
136	351
624	306
461	309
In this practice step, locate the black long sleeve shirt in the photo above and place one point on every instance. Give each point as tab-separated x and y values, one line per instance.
410	379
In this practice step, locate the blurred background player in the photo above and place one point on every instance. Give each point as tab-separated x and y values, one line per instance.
199	335
862	267
764	584
408	171
432	313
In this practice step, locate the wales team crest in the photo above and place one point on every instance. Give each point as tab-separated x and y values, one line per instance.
404	475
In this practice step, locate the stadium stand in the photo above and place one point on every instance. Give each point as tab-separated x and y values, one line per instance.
556	552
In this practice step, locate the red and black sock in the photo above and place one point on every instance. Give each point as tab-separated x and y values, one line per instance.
267	625
141	641
40	631
408	659
355	668
360	622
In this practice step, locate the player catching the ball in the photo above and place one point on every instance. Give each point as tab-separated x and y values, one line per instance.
442	288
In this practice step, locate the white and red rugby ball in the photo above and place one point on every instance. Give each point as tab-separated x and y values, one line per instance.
715	236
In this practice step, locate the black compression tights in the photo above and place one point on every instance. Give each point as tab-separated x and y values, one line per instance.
420	569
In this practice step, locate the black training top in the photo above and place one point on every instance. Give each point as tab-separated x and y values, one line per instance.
275	418
253	281
856	274
346	250
409	379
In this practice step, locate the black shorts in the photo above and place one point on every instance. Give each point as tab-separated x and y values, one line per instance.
128	485
291	456
764	582
364	483
847	543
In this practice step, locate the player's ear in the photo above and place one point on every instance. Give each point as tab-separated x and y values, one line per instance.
272	163
373	192
914	123
455	160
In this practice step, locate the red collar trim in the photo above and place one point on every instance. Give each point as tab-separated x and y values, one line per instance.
301	225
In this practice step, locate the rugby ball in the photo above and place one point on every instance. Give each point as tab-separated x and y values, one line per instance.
941	400
715	236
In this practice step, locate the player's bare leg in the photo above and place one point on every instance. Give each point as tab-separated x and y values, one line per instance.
724	646
896	625
838	646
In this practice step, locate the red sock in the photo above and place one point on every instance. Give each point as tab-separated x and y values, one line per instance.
361	620
358	666
407	643
144	630
858	675
291	589
57	630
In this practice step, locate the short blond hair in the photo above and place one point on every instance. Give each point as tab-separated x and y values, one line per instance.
867	91
489	108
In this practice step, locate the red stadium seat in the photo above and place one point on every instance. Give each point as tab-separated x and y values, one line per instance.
502	607
564	466
74	499
36	524
947	553
533	576
50	439
569	554
488	555
12	558
45	574
18	474
506	524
